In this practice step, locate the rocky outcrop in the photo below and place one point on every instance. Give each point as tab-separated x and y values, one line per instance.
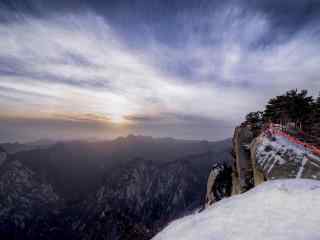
276	158
223	180
219	183
268	157
242	176
26	204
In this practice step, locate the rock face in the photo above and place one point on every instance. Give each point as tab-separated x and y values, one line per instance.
262	158
242	165
276	158
139	199
25	202
219	183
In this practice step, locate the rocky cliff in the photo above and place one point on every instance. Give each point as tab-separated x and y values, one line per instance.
259	156
262	157
27	205
219	183
275	157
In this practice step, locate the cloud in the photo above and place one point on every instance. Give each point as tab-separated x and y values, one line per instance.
81	67
118	81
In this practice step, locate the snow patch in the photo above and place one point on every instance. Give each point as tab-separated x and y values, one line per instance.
304	161
279	151
279	209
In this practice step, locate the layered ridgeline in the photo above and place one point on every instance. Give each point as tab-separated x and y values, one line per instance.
274	191
127	188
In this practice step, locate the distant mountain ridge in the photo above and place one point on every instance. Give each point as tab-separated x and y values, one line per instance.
81	165
128	188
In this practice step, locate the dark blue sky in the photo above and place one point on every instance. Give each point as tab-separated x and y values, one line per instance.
187	69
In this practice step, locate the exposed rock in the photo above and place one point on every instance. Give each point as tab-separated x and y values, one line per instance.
258	176
219	183
25	203
139	199
242	168
276	158
267	158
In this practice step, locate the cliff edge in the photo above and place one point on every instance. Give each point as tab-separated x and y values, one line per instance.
259	156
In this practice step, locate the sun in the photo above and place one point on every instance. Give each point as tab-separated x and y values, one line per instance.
118	119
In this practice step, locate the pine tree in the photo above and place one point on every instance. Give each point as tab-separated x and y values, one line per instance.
315	119
277	109
293	106
255	119
300	107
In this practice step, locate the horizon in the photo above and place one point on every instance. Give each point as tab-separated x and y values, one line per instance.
179	69
49	141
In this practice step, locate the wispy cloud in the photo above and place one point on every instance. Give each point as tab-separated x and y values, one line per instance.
79	67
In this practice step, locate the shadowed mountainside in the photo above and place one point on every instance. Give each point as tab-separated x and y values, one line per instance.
128	188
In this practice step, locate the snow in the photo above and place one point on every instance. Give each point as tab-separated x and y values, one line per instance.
279	151
304	161
215	171
277	210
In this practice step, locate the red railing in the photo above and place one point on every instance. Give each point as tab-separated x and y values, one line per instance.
277	129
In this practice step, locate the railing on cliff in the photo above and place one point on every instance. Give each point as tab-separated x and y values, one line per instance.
312	143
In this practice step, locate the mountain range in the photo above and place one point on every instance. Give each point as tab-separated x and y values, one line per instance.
127	188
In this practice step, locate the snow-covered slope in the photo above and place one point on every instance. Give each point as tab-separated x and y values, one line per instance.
277	210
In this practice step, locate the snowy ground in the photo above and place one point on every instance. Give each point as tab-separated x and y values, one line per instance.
277	210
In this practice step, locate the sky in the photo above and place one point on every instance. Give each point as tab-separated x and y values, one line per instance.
170	68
